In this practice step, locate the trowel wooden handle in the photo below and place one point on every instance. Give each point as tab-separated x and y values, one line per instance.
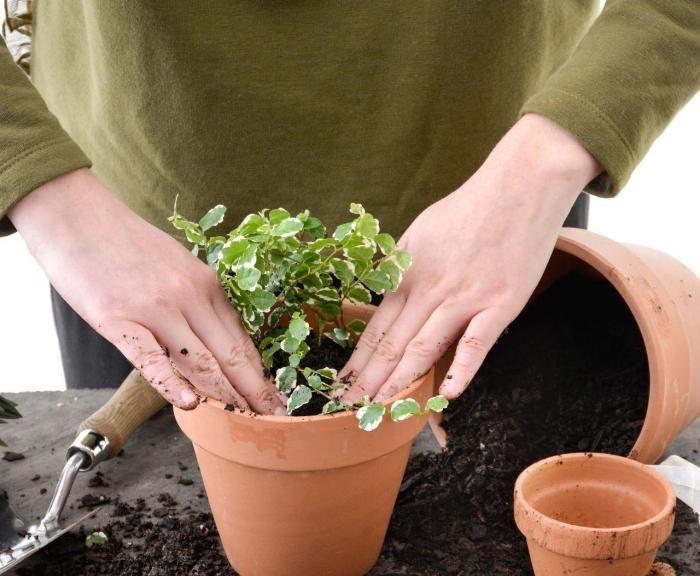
134	402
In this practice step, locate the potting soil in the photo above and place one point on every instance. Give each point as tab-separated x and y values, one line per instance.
569	375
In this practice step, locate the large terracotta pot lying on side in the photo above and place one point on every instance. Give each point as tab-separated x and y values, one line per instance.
301	495
593	515
664	298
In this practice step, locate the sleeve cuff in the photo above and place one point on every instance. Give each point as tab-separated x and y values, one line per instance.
594	129
33	167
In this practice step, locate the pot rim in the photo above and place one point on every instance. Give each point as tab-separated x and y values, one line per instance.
294	420
647	298
528	517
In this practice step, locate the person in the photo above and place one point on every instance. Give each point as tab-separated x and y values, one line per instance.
469	128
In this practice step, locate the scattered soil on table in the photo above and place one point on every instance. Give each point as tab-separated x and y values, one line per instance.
570	375
167	541
13	456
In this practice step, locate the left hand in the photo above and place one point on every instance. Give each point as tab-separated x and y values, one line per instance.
478	255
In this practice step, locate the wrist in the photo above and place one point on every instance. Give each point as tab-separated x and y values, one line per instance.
56	210
540	154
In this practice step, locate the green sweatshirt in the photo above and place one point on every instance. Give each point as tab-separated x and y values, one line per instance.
316	103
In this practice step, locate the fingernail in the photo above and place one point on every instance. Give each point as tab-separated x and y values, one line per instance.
279	411
188	399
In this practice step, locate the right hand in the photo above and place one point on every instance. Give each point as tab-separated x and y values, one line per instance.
139	288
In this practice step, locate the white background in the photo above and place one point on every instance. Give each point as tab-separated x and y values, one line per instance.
658	208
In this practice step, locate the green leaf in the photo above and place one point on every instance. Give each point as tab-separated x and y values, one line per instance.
298	328
8	409
403	409
370	417
359	295
392	270
195	250
339	336
286	379
262	299
301	395
248	258
290	345
356	326
268	353
344	271
181	223
277	215
247	278
250	224
213	251
329	373
195	236
233	249
333	406
437	403
96	538
356	208
294	360
343	230
330	294
377	281
360	253
214	217
367	225
314	227
315	382
321	243
288	227
385	242
403	259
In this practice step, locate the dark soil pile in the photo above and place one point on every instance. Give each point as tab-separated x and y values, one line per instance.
570	375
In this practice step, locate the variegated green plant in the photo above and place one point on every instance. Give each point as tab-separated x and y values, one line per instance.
274	265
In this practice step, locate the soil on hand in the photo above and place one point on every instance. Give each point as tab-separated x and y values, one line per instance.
570	375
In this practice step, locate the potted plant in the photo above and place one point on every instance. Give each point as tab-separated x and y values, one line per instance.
311	492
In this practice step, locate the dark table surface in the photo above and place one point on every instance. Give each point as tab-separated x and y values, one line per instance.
49	424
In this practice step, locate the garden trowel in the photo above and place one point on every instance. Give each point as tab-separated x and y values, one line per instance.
100	438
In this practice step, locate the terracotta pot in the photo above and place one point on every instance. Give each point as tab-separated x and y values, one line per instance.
593	515
301	495
664	298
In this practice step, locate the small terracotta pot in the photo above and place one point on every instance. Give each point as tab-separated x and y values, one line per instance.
664	297
593	515
302	495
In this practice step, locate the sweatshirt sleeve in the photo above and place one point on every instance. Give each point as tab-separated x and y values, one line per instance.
632	72
33	147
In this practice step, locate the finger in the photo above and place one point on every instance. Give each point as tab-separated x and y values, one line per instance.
192	358
424	350
390	349
141	348
227	315
233	349
479	337
376	328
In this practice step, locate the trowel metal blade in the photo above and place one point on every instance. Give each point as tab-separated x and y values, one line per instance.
24	546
